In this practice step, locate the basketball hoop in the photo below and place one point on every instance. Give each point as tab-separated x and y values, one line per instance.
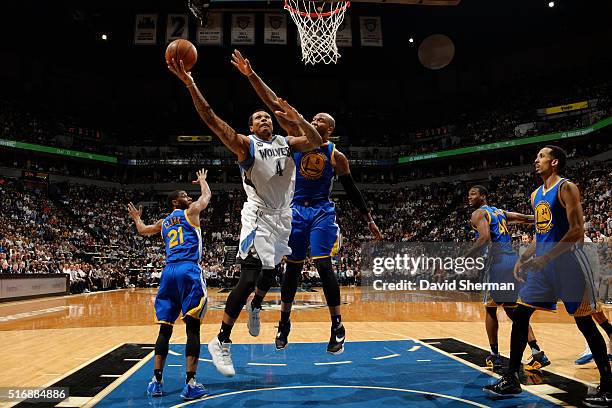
317	22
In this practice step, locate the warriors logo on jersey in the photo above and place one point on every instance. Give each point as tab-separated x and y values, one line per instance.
312	165
543	221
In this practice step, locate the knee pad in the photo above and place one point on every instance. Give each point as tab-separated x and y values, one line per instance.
267	279
192	328
250	268
291	280
329	281
163	339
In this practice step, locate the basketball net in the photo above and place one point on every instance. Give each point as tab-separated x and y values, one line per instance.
317	23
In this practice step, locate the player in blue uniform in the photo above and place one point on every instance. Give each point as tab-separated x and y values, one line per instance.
314	219
491	226
557	269
182	287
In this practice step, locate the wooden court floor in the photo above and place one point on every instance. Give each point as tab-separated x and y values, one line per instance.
44	339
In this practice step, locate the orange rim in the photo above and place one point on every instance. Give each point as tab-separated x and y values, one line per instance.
315	15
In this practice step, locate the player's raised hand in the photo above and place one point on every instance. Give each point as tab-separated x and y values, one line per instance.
201	176
134	212
374	230
242	64
288	112
178	69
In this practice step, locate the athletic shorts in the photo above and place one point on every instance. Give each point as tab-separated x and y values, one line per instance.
182	288
567	277
501	270
313	227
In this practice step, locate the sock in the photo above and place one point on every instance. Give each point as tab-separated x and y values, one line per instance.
494	349
256	302
336	320
534	347
285	317
158	375
607	327
225	332
190	375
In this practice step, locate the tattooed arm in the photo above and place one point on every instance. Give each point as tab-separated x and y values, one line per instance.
237	143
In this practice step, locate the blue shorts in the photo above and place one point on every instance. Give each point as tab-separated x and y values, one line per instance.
501	270
315	227
567	277
182	288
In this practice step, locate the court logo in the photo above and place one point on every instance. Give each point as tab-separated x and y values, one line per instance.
312	165
543	214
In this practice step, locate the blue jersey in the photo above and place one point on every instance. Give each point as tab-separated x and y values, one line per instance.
499	229
183	240
551	222
313	180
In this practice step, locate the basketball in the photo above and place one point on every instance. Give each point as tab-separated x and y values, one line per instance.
182	50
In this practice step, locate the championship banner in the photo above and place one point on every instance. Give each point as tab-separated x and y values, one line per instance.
275	29
243	29
567	108
344	35
212	32
370	31
145	29
194	138
177	26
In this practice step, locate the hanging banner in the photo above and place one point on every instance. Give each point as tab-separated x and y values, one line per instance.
567	108
243	29
212	32
275	29
370	31
145	29
177	26
344	35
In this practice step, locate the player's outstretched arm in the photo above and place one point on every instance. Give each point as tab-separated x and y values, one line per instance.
311	138
342	169
519	218
237	143
194	210
480	222
265	93
142	228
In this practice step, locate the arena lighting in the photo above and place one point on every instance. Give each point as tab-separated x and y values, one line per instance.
551	4
411	40
104	37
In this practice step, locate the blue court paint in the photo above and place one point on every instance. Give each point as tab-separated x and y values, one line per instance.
393	382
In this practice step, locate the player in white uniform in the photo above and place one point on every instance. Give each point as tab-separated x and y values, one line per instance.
268	173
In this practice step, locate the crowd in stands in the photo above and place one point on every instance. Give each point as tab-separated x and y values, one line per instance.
85	231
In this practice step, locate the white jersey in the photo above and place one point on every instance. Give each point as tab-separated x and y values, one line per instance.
268	174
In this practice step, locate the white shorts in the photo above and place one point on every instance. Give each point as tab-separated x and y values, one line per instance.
267	232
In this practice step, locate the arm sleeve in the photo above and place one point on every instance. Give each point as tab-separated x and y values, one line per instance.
353	192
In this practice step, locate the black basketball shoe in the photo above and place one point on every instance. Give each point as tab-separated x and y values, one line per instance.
282	334
600	399
507	386
336	340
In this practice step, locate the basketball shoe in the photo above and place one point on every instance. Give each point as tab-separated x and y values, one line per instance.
336	340
538	361
193	390
494	362
155	388
253	323
281	340
507	386
222	357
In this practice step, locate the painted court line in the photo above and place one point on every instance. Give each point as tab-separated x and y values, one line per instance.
132	359
174	353
422	361
268	364
175	365
205	359
459	353
385	357
149	348
333	363
414	348
111	375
